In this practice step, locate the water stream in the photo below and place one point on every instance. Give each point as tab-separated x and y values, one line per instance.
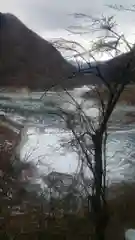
44	131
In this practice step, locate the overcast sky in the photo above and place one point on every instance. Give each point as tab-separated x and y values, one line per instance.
50	18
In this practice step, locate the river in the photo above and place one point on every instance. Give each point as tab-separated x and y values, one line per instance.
44	131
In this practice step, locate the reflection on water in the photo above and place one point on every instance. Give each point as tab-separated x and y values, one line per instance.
46	146
46	130
120	153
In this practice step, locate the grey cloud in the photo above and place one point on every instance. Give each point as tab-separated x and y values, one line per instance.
42	15
53	14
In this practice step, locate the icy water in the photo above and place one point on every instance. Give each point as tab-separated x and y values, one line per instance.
44	131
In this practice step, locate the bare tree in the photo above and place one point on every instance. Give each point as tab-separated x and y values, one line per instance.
90	134
121	7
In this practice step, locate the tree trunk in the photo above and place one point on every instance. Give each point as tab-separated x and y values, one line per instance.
98	204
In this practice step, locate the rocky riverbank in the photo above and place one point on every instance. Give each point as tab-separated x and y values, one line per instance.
128	95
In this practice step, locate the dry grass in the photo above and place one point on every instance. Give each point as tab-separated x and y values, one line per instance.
73	227
122	210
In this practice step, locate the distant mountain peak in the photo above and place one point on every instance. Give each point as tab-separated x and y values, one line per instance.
2	20
26	59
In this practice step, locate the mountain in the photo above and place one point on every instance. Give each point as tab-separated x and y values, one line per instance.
113	69
26	59
122	65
